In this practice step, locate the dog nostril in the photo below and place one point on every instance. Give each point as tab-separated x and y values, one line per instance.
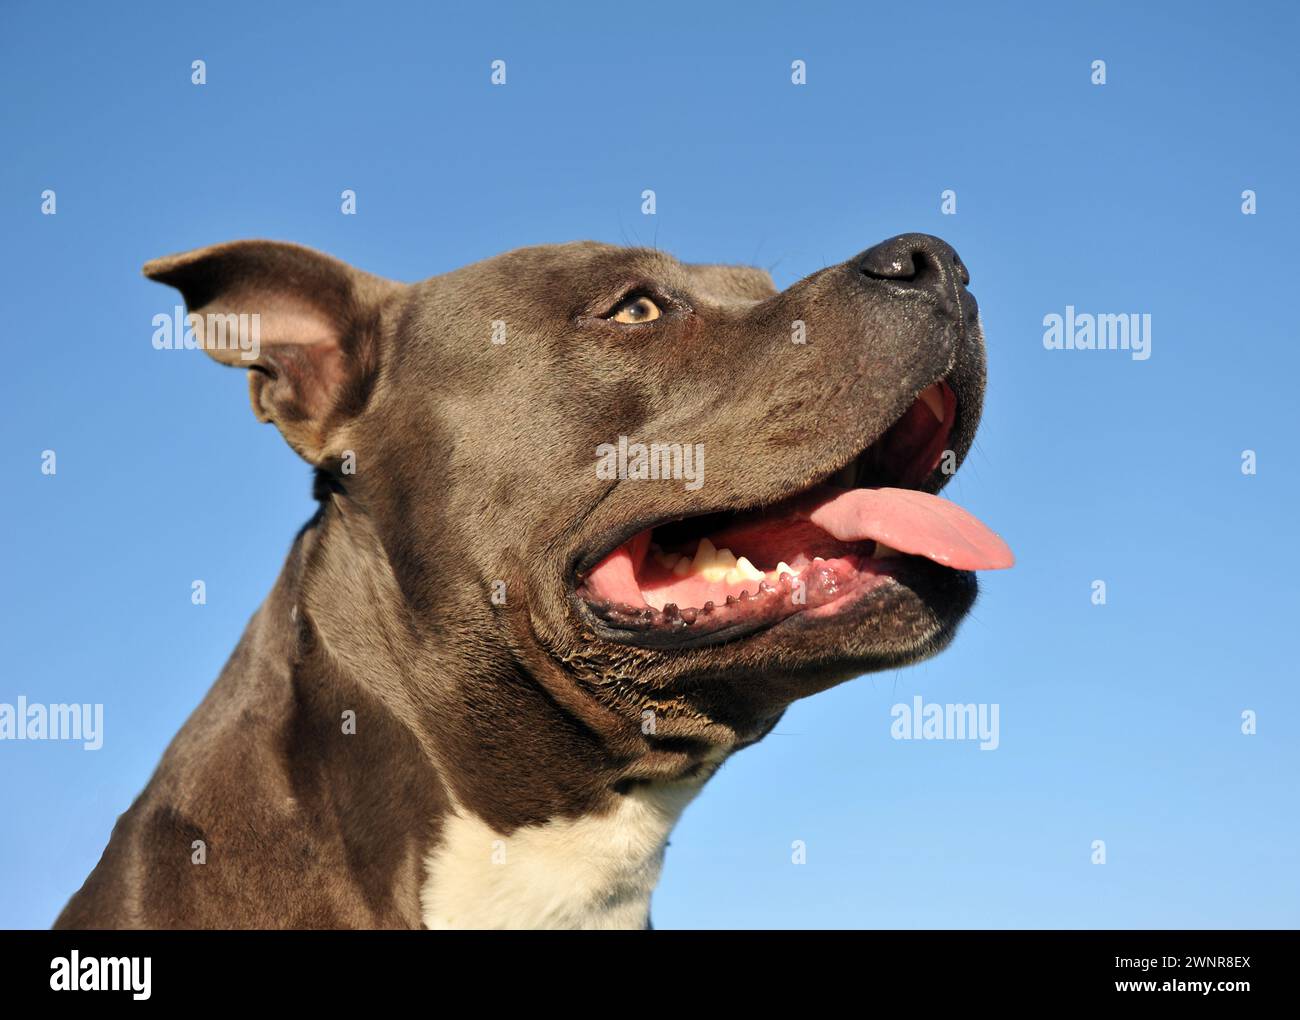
892	265
901	263
913	258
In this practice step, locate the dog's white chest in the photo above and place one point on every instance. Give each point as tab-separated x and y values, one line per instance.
597	871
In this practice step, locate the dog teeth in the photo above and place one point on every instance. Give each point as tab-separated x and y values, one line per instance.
744	571
704	554
706	562
884	552
748	571
717	565
717	569
932	397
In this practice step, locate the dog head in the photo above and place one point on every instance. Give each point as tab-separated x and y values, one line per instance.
665	490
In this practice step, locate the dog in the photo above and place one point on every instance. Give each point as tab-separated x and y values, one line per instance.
512	644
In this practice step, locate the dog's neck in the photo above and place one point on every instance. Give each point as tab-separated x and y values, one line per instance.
594	871
537	822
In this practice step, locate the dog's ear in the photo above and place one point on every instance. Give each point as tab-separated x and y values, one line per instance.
307	329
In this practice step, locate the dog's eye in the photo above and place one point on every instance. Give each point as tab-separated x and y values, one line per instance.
635	311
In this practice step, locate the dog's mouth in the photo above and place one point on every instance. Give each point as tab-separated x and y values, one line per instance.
720	576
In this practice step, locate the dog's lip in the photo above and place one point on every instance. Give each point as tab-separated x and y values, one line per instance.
682	639
668	640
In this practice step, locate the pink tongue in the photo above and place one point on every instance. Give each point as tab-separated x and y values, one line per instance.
913	522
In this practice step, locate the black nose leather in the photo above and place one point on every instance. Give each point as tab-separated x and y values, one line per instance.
920	260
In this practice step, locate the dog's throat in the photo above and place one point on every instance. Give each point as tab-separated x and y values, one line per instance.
594	871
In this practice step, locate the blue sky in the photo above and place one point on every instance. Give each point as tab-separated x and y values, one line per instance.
1119	722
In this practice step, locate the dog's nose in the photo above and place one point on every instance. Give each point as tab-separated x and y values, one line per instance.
919	260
